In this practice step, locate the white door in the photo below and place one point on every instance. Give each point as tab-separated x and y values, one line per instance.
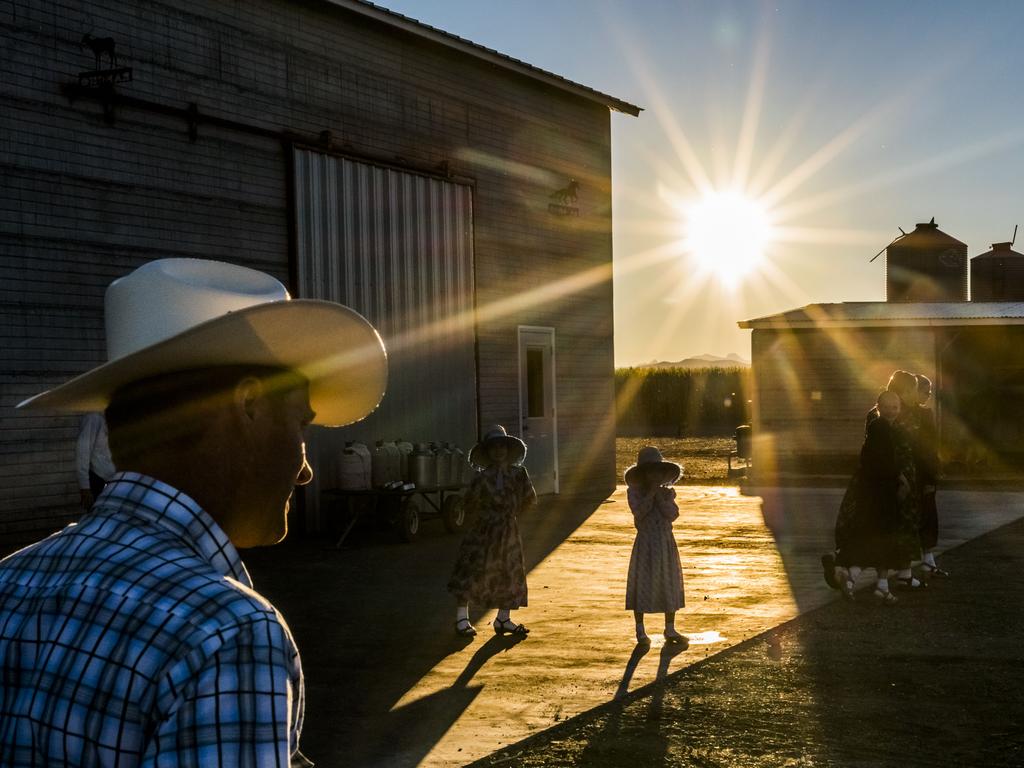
538	420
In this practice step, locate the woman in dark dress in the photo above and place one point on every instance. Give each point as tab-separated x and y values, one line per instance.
489	568
872	525
910	445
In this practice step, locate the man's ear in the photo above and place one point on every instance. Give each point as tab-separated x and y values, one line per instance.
247	396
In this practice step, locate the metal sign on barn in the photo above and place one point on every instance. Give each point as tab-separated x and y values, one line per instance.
98	76
565	199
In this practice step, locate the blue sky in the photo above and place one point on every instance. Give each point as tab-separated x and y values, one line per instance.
855	117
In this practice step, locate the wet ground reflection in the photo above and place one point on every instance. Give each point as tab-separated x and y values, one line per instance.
706	638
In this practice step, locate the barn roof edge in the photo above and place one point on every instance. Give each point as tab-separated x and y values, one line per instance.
420	29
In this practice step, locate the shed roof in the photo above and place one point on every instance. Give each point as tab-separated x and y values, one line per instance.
864	314
418	28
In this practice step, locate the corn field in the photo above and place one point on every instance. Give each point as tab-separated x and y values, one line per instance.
681	402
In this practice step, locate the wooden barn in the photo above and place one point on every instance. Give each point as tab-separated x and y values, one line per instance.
818	369
457	197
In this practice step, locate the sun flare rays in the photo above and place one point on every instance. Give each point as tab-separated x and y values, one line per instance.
734	217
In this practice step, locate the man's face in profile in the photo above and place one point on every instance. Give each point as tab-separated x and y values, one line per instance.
279	464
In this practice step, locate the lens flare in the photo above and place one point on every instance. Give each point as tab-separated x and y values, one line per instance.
726	233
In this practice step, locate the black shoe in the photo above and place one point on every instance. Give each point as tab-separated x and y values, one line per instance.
464	629
934	570
676	639
908	582
509	627
885	598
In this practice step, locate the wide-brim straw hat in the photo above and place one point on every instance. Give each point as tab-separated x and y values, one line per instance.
478	456
186	314
651	465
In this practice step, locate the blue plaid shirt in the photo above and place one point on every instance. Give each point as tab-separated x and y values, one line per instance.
134	638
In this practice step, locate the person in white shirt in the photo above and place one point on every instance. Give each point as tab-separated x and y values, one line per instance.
92	458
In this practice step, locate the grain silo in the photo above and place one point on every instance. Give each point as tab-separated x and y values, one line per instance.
998	275
926	265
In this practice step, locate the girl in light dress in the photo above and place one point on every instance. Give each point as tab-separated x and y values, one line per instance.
655	580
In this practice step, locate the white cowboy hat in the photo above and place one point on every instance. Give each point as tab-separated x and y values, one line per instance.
186	314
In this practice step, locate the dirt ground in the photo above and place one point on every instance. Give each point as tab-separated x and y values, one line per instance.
704	459
936	680
389	685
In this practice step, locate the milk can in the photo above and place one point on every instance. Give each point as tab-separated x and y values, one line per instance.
395	461
365	461
458	465
351	471
423	466
444	464
404	451
381	465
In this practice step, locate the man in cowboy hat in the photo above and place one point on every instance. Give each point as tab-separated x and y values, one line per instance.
135	637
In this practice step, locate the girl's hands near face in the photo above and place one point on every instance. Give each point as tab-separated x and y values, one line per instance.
665	492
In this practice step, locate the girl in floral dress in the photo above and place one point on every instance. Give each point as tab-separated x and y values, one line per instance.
489	569
655	580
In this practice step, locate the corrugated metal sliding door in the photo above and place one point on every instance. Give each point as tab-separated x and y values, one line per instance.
398	248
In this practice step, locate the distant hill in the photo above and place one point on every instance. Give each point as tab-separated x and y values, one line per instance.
732	360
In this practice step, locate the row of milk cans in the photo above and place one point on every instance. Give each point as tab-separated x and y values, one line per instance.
392	463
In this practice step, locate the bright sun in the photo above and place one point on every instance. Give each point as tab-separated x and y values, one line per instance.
727	234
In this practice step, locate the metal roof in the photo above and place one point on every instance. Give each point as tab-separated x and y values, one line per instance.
866	314
418	28
925	235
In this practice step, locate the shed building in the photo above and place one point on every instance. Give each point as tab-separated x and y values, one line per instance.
459	198
818	369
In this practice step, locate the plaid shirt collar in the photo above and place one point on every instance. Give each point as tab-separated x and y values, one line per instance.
165	506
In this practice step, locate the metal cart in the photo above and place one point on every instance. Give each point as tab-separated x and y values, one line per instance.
404	508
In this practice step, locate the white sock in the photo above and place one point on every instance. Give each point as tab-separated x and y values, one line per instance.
929	558
882	584
854	573
503	614
462	613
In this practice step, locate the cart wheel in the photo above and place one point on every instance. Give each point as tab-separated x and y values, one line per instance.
409	520
453	513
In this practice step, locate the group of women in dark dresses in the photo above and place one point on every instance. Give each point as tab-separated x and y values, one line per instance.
888	519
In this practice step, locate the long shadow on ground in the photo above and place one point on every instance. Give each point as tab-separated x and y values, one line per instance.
372	619
934	680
